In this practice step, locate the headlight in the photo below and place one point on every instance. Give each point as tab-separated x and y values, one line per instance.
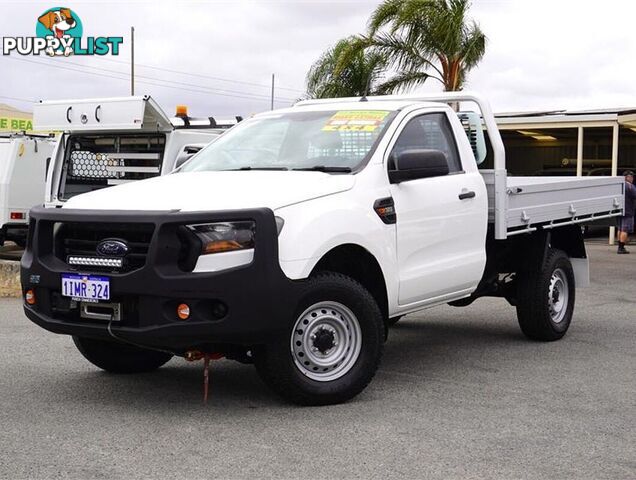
227	236
224	237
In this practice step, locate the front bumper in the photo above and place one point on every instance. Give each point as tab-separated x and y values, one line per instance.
260	300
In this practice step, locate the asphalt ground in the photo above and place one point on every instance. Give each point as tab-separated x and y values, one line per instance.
460	394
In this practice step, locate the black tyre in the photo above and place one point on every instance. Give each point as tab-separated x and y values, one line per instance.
393	320
119	357
333	345
545	298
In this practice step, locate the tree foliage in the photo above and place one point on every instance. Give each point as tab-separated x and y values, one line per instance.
408	41
362	69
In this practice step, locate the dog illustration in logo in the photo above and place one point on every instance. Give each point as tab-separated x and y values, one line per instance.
58	22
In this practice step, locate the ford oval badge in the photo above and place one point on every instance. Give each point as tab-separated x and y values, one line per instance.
112	248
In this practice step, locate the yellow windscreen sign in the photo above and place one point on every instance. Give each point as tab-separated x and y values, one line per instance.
355	121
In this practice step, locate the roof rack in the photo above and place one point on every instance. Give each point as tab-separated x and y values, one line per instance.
26	134
184	121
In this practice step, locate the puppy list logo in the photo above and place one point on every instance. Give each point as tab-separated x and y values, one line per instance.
59	32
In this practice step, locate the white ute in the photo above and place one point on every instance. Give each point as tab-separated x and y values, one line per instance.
298	237
24	158
110	141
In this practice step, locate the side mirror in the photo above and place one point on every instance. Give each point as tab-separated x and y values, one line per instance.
418	163
181	160
185	155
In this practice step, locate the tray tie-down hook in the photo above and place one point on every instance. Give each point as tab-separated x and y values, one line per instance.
195	355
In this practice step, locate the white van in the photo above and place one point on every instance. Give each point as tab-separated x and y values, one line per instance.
110	141
23	163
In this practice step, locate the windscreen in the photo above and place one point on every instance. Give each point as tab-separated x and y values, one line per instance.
298	140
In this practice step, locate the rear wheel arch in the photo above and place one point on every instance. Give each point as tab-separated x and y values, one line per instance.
522	253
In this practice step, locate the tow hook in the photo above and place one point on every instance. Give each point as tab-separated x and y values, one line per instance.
196	355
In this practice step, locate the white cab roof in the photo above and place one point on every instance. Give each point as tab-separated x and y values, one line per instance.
98	114
351	104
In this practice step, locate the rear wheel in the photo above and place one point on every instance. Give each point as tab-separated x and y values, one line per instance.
545	300
119	357
333	345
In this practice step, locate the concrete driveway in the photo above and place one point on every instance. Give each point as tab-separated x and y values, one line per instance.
460	394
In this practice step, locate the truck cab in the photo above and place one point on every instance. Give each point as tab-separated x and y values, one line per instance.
296	239
110	141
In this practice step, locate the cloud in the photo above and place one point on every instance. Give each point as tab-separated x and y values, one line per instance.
550	55
243	40
541	54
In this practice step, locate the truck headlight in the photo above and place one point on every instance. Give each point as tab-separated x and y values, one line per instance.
228	236
225	236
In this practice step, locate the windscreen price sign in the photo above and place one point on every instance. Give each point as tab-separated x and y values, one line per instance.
355	121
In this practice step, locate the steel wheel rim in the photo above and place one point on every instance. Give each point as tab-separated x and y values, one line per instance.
326	341
558	295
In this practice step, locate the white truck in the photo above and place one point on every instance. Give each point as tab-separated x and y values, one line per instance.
23	162
110	141
296	238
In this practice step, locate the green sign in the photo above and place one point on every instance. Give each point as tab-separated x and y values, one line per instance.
16	124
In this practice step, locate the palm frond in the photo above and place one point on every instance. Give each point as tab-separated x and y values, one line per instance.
386	14
402	81
428	35
416	39
344	70
402	55
474	46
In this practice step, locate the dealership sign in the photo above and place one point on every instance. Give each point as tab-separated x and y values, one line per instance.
16	124
59	32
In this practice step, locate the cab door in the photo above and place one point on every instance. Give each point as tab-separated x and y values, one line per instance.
441	221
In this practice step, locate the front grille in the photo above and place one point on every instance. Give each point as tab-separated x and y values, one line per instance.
81	240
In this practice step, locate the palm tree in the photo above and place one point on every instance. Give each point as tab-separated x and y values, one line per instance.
358	76
421	39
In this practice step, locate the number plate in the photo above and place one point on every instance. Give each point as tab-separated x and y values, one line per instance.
87	288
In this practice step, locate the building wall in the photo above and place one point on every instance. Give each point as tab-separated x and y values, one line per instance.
526	155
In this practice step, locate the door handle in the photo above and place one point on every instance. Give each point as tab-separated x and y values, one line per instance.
465	195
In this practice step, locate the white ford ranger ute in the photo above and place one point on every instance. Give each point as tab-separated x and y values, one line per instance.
297	237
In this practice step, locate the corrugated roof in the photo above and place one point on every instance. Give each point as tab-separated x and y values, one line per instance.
568	113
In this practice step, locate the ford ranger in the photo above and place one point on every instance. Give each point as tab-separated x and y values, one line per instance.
295	239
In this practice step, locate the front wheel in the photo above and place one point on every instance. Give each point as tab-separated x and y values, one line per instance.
333	344
120	357
545	300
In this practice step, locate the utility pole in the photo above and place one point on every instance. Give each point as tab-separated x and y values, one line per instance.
272	102
132	61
